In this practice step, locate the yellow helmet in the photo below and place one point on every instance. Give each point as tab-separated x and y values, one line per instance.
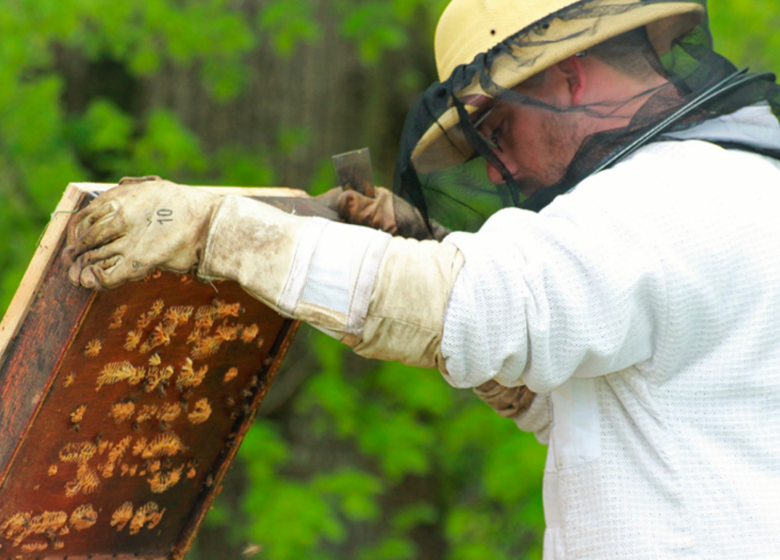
532	36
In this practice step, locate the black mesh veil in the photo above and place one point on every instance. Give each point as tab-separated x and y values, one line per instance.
441	167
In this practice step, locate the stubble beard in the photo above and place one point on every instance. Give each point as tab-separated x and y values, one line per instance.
562	136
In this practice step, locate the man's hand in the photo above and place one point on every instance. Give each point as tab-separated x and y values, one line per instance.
386	212
141	225
509	402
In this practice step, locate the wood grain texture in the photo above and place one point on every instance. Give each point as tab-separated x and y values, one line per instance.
121	411
46	252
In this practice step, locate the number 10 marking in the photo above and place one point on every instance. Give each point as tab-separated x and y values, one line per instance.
164	215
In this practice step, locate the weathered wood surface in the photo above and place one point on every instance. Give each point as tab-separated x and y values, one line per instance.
121	411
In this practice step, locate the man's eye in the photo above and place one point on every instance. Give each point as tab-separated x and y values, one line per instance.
495	138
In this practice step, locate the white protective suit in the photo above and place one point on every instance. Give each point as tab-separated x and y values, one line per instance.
644	307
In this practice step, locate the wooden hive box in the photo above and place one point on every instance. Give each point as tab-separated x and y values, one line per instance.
121	411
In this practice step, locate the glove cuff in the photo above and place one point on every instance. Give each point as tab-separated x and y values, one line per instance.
254	244
405	317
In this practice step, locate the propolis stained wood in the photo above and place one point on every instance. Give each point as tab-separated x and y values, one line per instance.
121	411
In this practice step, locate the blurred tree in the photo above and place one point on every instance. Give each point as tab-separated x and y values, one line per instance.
351	459
744	32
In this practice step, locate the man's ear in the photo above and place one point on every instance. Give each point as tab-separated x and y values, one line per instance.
573	71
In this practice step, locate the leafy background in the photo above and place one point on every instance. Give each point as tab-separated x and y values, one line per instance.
349	458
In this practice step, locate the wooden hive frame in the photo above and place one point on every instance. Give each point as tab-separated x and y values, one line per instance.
121	411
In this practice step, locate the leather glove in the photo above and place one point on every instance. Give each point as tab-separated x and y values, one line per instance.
144	224
386	212
508	402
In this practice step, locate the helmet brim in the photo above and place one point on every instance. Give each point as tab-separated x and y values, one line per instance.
443	145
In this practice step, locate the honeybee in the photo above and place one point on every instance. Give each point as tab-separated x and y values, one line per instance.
93	348
163	445
249	333
230	375
78	415
206	347
157	307
69	379
83	517
147	514
133	340
122	516
121	412
117	316
200	413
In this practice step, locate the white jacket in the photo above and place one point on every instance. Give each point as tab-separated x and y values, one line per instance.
644	308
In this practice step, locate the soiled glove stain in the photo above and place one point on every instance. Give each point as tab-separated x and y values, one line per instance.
143	224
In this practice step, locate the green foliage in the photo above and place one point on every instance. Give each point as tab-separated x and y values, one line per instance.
103	128
324	177
144	35
375	27
167	147
744	32
238	166
291	518
288	22
291	138
404	423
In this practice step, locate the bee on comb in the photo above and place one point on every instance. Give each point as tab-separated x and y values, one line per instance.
189	377
83	517
149	514
249	333
122	516
117	316
200	413
163	481
93	348
116	372
163	445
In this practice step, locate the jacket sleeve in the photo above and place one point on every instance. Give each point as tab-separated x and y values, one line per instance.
542	297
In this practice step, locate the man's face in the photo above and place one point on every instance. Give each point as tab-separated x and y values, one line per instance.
535	144
577	97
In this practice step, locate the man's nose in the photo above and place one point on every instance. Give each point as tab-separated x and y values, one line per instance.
494	175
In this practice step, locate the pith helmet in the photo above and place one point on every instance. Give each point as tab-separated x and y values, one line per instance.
527	37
